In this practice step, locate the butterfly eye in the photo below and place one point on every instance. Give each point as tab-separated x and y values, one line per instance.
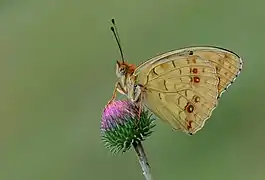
122	70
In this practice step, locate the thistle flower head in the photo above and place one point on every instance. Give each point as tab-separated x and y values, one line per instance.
121	126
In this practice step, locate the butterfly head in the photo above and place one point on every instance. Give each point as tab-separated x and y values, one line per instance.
124	69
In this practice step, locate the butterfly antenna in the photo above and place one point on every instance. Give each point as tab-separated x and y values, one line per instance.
116	35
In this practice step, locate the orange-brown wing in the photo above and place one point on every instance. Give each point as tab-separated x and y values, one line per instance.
179	90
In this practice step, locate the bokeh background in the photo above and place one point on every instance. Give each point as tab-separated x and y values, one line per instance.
57	72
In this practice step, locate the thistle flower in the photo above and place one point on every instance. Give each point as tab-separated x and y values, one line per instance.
121	126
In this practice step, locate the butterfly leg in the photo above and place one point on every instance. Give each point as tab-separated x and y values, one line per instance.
113	96
114	93
140	107
118	88
139	104
138	98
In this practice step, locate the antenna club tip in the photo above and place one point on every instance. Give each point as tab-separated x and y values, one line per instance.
113	21
112	28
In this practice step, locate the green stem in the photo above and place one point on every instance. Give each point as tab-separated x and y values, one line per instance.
139	149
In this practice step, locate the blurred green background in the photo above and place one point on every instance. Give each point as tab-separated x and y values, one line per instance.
57	72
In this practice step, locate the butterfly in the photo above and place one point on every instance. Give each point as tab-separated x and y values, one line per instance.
181	87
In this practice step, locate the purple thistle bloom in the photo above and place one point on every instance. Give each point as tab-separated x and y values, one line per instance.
121	126
118	113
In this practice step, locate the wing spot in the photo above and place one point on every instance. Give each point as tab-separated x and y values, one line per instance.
196	79
195	70
189	108
196	99
191	53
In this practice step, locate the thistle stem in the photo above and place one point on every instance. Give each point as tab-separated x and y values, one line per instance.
139	149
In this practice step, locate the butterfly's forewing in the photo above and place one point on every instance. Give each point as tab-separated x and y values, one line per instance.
228	64
180	90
